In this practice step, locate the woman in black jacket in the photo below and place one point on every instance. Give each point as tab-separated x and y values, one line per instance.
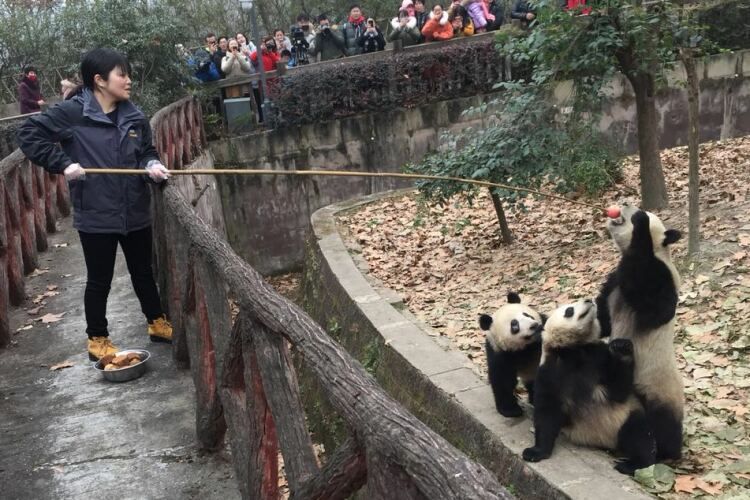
98	127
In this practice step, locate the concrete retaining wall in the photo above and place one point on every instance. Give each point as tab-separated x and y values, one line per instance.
267	218
436	384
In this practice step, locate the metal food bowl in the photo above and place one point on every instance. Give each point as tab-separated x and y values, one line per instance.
128	372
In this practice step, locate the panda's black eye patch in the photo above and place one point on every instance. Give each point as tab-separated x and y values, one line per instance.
569	312
528	315
514	326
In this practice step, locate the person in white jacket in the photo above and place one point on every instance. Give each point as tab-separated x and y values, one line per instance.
235	64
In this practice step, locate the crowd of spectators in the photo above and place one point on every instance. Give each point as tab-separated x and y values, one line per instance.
358	34
232	56
414	23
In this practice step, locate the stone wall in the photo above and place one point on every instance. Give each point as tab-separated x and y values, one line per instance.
267	217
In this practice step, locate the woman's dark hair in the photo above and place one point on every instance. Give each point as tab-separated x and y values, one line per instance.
102	62
277	30
28	69
460	11
403	13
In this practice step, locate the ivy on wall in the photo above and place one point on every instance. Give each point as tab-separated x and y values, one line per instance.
387	80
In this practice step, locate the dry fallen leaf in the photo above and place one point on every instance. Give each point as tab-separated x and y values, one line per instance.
684	484
60	366
562	253
52	318
51	287
714	489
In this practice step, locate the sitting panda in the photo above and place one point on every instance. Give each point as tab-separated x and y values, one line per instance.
584	389
638	302
514	347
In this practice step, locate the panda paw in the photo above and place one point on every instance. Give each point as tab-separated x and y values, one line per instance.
534	454
640	217
625	467
621	347
510	411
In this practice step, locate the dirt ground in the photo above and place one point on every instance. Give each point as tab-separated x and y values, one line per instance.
448	265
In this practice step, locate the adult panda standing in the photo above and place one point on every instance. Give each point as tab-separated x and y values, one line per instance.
514	347
638	302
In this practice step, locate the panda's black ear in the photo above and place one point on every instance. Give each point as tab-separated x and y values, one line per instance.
514	298
544	318
485	321
671	236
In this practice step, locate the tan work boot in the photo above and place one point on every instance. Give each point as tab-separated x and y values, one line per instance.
160	330
100	347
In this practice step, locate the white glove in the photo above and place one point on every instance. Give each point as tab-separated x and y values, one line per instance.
74	171
157	171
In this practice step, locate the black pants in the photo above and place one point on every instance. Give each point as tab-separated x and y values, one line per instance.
100	251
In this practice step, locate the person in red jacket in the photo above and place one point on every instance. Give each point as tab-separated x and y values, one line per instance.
269	53
29	96
437	27
575	5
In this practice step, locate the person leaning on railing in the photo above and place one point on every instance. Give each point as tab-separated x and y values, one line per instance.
353	29
497	9
404	28
523	11
235	64
98	127
221	51
479	13
328	41
437	27
461	22
372	39
420	14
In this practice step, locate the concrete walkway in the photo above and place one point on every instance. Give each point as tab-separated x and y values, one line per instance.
70	434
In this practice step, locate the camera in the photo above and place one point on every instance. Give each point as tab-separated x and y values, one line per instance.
298	36
299	46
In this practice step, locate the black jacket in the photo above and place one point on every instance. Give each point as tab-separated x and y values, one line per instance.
102	203
520	9
371	42
497	9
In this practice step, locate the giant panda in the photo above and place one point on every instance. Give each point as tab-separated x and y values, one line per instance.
638	302
513	348
584	389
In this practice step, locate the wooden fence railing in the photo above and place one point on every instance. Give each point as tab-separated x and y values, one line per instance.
246	384
31	202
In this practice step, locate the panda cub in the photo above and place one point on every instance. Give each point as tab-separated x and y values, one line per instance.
638	302
584	389
513	347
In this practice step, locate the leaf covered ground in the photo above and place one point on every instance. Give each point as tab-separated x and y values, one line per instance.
448	265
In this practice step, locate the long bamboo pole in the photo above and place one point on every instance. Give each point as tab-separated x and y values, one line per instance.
340	173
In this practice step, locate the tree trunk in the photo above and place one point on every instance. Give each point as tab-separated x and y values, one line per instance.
504	229
693	92
653	187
